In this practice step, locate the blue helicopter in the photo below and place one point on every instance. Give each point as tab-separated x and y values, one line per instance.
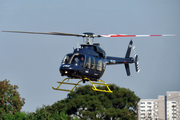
89	61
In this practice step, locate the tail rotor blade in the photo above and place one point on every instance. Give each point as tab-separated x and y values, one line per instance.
134	50
137	64
136	60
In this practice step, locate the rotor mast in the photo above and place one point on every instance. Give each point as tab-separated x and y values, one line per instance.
88	36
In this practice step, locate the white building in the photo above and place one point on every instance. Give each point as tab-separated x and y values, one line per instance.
152	109
163	108
173	105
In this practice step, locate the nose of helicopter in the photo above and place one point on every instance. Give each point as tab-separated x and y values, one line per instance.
70	70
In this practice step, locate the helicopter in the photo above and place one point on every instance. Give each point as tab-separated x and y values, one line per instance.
88	62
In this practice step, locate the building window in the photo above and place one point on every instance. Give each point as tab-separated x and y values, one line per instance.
148	102
149	106
142	102
142	106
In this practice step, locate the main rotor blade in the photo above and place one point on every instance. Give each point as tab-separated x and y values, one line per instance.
86	35
124	35
48	33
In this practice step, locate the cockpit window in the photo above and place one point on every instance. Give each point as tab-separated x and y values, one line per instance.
66	59
78	59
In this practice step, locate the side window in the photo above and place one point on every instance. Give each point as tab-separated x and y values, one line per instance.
104	65
93	63
99	65
88	62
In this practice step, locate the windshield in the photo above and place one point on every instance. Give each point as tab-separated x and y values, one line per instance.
78	59
66	59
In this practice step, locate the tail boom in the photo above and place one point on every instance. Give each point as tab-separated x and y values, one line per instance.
118	60
126	61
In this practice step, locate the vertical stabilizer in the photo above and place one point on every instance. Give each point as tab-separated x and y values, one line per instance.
129	49
127	69
127	56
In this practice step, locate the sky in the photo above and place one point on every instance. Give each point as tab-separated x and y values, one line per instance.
32	61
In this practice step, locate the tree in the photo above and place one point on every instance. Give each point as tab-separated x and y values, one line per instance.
10	100
85	103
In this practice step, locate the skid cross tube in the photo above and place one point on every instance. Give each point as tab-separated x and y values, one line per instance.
95	89
66	83
86	79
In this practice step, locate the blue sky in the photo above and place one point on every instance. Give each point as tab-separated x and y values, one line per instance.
32	61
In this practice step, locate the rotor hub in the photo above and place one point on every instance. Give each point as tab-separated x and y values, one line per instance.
88	36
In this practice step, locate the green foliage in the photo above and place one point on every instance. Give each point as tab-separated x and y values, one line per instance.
10	100
84	103
40	115
43	114
16	116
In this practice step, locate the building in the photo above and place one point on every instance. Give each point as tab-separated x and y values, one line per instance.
173	105
152	109
164	108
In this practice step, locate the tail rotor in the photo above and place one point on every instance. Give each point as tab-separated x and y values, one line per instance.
136	60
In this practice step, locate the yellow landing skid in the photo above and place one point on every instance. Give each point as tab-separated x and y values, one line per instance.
86	79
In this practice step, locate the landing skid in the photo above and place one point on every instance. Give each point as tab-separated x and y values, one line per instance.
82	80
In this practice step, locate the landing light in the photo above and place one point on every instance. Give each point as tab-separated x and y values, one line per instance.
66	72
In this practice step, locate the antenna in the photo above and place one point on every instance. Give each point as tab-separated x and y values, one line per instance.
78	46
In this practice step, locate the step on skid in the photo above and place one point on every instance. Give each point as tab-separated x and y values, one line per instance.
82	80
